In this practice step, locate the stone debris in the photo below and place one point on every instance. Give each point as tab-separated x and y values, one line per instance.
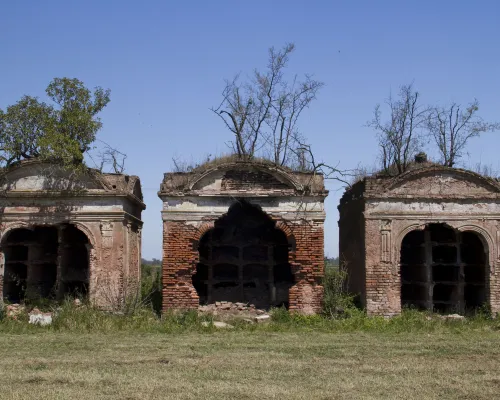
217	324
227	308
35	316
39	318
262	318
452	317
13	310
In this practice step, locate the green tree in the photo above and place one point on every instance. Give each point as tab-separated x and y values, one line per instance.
60	132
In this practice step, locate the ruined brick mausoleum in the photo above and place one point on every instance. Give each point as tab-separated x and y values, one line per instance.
68	236
243	232
429	238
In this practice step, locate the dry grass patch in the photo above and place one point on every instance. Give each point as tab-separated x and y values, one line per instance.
251	365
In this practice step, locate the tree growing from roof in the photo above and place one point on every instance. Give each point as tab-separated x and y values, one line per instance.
453	126
262	112
61	132
399	136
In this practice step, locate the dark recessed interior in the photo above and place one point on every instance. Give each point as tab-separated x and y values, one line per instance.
443	270
45	262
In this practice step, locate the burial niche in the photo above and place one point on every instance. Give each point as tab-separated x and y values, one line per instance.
45	262
443	270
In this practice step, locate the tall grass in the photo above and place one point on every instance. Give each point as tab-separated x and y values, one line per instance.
87	319
339	315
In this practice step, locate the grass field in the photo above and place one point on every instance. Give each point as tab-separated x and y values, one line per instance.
257	364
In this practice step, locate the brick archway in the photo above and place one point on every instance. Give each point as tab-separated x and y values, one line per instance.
244	258
304	240
444	269
45	261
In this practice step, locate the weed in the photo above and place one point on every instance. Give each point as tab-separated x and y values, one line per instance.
151	286
336	301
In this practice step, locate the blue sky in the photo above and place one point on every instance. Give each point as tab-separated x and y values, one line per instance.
165	63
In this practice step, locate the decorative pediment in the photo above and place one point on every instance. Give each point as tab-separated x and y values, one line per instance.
446	182
37	176
243	179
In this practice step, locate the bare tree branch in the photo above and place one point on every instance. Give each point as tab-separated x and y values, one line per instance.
452	127
263	113
400	137
109	156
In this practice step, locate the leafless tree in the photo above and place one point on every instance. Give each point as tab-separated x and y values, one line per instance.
453	126
262	113
484	169
399	136
109	156
310	164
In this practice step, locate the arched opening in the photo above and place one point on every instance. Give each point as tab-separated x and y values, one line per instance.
443	270
74	262
244	258
48	262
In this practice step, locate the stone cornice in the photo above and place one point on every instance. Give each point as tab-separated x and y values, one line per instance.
207	215
431	197
52	196
431	216
240	194
70	215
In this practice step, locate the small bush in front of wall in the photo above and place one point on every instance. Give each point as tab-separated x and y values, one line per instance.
151	286
336	301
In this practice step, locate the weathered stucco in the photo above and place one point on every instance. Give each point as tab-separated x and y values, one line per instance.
106	208
194	203
377	213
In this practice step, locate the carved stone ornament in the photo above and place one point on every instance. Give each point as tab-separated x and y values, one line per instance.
385	241
107	233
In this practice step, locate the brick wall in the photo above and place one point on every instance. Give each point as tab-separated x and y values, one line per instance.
250	180
383	286
383	279
180	256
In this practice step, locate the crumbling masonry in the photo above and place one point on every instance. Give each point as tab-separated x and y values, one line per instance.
428	239
65	235
243	232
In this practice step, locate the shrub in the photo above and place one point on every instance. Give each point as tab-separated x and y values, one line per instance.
151	286
336	301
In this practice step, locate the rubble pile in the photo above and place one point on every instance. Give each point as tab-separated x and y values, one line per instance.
228	308
14	310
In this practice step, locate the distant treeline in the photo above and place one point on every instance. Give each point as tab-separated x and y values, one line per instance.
153	261
329	261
